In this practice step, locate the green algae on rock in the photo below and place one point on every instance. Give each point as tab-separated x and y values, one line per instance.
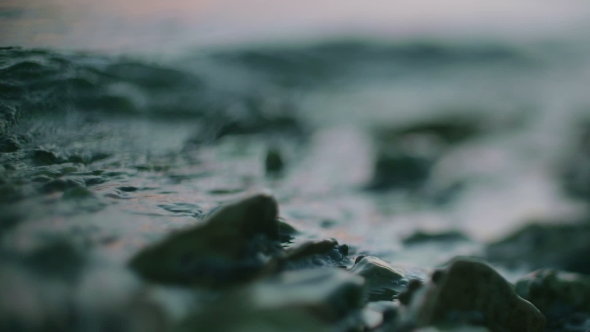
472	292
556	293
382	280
231	246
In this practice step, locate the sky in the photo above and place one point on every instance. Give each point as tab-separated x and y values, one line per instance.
138	24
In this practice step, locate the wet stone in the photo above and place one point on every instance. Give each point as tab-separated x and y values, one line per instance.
421	237
318	253
562	246
382	280
397	169
274	161
557	294
9	144
42	157
233	245
471	292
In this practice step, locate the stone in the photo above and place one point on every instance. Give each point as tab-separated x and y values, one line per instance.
471	292
232	245
556	293
420	237
383	282
398	169
562	246
274	161
9	144
42	157
317	253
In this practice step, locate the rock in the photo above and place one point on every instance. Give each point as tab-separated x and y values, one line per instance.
399	170
450	129
286	231
274	161
42	157
383	282
562	246
317	253
306	300
420	237
233	245
59	185
9	144
472	292
556	293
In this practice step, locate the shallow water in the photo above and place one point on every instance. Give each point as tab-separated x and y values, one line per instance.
160	144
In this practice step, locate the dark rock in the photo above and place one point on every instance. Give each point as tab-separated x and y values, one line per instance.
399	170
233	245
9	144
42	157
273	162
286	231
311	248
420	237
561	246
451	129
128	189
557	294
471	292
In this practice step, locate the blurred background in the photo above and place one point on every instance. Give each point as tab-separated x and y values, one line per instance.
414	131
164	25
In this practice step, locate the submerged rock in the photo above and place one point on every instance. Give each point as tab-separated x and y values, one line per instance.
560	246
232	245
471	292
383	281
556	293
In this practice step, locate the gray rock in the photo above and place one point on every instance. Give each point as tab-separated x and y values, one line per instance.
382	280
562	246
274	161
232	245
472	292
556	293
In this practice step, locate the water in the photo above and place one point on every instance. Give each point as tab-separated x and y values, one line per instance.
161	140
